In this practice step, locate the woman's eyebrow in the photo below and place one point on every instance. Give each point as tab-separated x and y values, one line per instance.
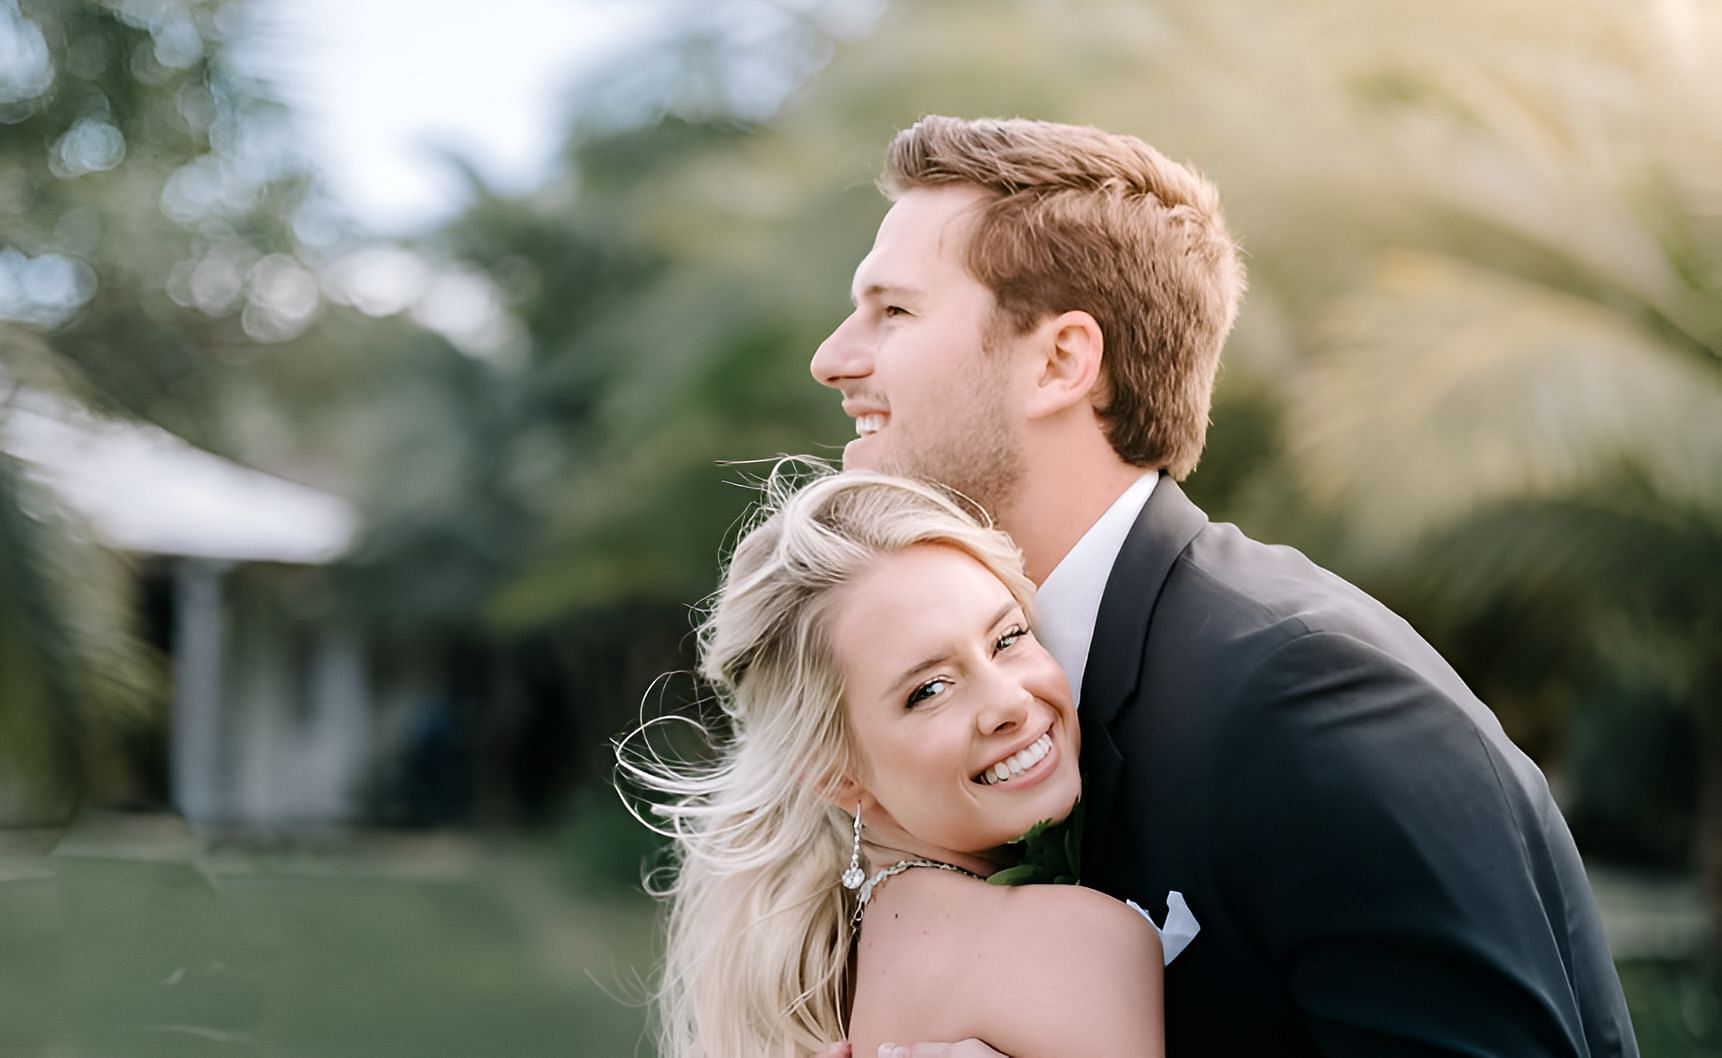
915	670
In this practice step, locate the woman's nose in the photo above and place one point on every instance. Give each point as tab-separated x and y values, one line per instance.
1005	704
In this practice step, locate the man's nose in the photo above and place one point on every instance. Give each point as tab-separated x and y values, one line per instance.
841	356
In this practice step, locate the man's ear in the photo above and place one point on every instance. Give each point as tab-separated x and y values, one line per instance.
1068	368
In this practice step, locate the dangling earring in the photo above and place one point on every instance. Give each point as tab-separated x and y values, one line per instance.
854	876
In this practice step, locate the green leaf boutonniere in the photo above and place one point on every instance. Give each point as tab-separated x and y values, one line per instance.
1051	853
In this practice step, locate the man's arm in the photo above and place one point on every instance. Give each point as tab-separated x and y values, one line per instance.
1417	889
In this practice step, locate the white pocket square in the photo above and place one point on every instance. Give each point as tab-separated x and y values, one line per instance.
1181	926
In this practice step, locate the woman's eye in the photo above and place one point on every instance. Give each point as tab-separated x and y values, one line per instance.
928	690
1010	638
896	310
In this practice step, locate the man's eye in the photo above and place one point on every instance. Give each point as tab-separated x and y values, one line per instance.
928	690
896	310
1010	638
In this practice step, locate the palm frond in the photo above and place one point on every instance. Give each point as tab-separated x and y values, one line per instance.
1619	570
1446	387
73	671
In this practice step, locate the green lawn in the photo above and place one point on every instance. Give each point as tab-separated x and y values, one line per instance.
315	955
1676	1008
128	939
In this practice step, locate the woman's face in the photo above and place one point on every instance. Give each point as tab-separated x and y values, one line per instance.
961	721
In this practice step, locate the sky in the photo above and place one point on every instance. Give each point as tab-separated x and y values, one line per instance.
377	84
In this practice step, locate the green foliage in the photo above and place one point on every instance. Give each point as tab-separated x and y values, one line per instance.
1676	1006
1635	766
74	676
154	170
606	850
38	721
1051	854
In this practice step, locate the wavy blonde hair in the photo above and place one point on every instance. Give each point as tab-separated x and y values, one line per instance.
757	956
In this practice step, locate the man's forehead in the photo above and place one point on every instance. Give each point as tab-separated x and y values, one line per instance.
922	230
934	218
880	277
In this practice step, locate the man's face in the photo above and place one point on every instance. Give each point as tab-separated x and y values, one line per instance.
928	401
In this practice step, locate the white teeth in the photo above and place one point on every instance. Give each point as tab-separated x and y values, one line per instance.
1018	762
868	424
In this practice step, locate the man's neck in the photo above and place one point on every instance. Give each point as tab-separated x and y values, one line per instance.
1058	500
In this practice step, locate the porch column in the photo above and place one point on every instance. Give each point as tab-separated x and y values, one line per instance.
198	641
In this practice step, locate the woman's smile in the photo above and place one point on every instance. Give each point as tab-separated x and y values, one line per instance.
1022	768
943	679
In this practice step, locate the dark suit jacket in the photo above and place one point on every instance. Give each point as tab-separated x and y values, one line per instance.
1376	869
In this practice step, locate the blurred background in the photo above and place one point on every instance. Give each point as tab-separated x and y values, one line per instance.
369	374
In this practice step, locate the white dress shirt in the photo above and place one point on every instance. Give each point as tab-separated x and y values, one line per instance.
1065	610
1068	603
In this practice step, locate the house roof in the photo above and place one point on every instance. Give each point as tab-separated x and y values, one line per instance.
144	490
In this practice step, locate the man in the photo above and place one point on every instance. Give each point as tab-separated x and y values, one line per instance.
1375	869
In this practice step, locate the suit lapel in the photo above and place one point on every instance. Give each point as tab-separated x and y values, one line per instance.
1167	524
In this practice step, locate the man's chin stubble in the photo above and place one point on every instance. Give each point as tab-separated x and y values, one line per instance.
987	481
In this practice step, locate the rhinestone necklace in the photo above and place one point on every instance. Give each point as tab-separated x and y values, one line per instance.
899	867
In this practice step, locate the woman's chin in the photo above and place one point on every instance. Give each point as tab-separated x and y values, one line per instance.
1052	819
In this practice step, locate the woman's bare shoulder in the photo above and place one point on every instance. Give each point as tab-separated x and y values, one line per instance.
951	908
1071	924
1028	964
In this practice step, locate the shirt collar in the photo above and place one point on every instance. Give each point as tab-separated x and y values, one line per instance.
1068	602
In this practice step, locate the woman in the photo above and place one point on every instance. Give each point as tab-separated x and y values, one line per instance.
892	726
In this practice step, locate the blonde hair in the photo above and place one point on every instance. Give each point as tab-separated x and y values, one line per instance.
1085	219
757	955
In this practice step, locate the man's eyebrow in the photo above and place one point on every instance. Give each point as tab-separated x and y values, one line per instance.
881	291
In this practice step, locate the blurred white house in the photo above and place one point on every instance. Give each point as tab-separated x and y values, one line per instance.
276	716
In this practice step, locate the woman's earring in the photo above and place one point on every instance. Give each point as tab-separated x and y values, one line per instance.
853	877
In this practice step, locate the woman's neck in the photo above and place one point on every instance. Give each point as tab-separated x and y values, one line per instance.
880	855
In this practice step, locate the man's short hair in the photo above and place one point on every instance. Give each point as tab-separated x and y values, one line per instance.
1086	219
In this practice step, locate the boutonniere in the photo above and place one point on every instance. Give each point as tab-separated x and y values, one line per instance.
1051	852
